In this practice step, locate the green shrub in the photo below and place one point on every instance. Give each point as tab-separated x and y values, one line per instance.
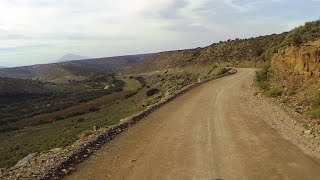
291	92
258	52
8	129
59	118
315	103
262	77
131	94
309	32
152	92
94	109
264	85
274	92
119	84
75	114
142	81
315	113
297	40
223	71
40	122
80	120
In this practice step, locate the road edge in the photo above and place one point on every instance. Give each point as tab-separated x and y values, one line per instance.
62	162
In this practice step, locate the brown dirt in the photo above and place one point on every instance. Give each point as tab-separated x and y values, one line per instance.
209	132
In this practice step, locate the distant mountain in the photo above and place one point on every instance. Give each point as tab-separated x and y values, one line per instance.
74	70
71	57
1	67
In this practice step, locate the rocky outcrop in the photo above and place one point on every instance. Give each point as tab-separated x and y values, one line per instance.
296	71
303	60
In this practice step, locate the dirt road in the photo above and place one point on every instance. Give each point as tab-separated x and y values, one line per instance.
207	133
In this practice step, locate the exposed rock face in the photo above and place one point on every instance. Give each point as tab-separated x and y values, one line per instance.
304	60
308	61
297	69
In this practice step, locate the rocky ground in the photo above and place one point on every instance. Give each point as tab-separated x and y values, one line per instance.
292	124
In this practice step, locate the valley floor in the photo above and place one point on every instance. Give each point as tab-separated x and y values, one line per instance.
211	132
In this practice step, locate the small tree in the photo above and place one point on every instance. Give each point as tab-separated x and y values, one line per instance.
257	53
152	92
297	39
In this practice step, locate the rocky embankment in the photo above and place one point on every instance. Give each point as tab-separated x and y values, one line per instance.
291	124
296	71
59	162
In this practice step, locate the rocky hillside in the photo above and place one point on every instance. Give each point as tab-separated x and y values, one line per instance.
294	70
239	52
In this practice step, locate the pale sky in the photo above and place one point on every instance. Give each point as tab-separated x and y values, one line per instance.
41	31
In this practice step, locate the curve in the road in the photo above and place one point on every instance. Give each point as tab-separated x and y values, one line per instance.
207	133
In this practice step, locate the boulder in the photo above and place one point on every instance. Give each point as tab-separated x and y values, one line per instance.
25	160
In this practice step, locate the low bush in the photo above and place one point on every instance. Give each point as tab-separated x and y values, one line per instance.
315	103
40	122
131	94
94	109
274	92
76	114
152	92
291	92
59	118
264	85
142	81
315	113
8	129
80	120
262	77
223	71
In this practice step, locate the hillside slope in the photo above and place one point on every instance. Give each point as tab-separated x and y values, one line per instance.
239	52
75	70
295	71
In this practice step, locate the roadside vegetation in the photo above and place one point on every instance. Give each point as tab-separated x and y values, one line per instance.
223	70
307	33
262	77
262	80
28	98
303	34
315	106
152	92
63	130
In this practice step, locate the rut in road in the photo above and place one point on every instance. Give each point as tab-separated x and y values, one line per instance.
207	133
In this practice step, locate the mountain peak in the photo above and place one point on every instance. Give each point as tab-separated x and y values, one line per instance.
71	57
